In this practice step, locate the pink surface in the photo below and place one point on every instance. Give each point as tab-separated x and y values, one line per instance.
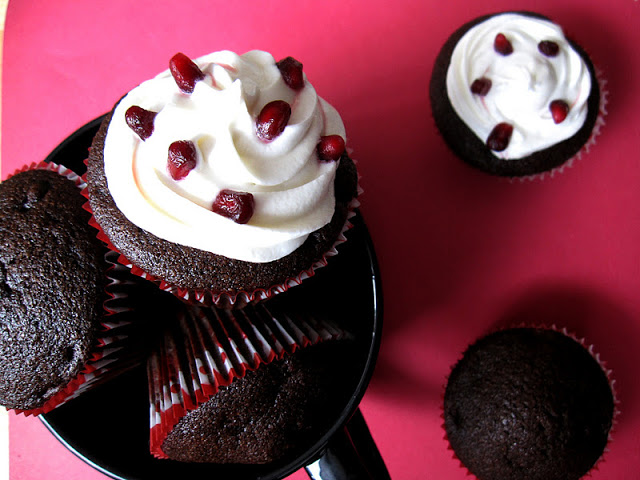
460	251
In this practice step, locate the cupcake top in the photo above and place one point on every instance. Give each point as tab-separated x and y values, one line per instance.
518	84
528	403
51	287
230	154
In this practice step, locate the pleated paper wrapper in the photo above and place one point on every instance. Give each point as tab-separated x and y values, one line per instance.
208	348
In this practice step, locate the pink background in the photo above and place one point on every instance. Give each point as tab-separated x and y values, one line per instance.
460	251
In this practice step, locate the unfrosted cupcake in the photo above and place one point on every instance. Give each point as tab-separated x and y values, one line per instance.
528	403
57	337
247	386
222	178
512	96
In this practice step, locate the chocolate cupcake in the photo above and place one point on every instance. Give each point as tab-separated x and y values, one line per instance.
222	178
512	96
275	411
55	338
245	386
528	403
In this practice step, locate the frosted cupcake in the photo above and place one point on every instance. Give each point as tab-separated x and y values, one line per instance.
512	96
223	178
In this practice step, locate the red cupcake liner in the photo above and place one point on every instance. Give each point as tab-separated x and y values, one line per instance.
109	356
223	299
587	346
208	348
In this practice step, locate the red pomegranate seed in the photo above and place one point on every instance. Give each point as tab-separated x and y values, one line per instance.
500	136
272	120
182	159
140	121
548	48
291	71
481	86
330	148
185	72
502	45
559	110
238	206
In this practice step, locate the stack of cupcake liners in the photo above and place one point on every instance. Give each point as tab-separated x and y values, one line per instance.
205	349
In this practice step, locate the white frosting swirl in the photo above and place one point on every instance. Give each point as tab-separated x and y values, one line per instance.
293	191
524	83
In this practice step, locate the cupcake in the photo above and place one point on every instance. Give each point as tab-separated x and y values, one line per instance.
512	96
224	179
245	386
57	337
528	403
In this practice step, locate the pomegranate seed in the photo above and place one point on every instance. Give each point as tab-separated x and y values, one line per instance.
330	148
500	136
182	159
559	110
548	48
140	121
272	120
238	206
185	72
291	71
481	86
502	45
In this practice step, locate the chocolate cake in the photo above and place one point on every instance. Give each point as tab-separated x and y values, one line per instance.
272	412
530	404
51	287
503	108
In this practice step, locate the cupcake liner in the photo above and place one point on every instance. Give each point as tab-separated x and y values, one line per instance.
110	355
208	348
222	299
580	340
